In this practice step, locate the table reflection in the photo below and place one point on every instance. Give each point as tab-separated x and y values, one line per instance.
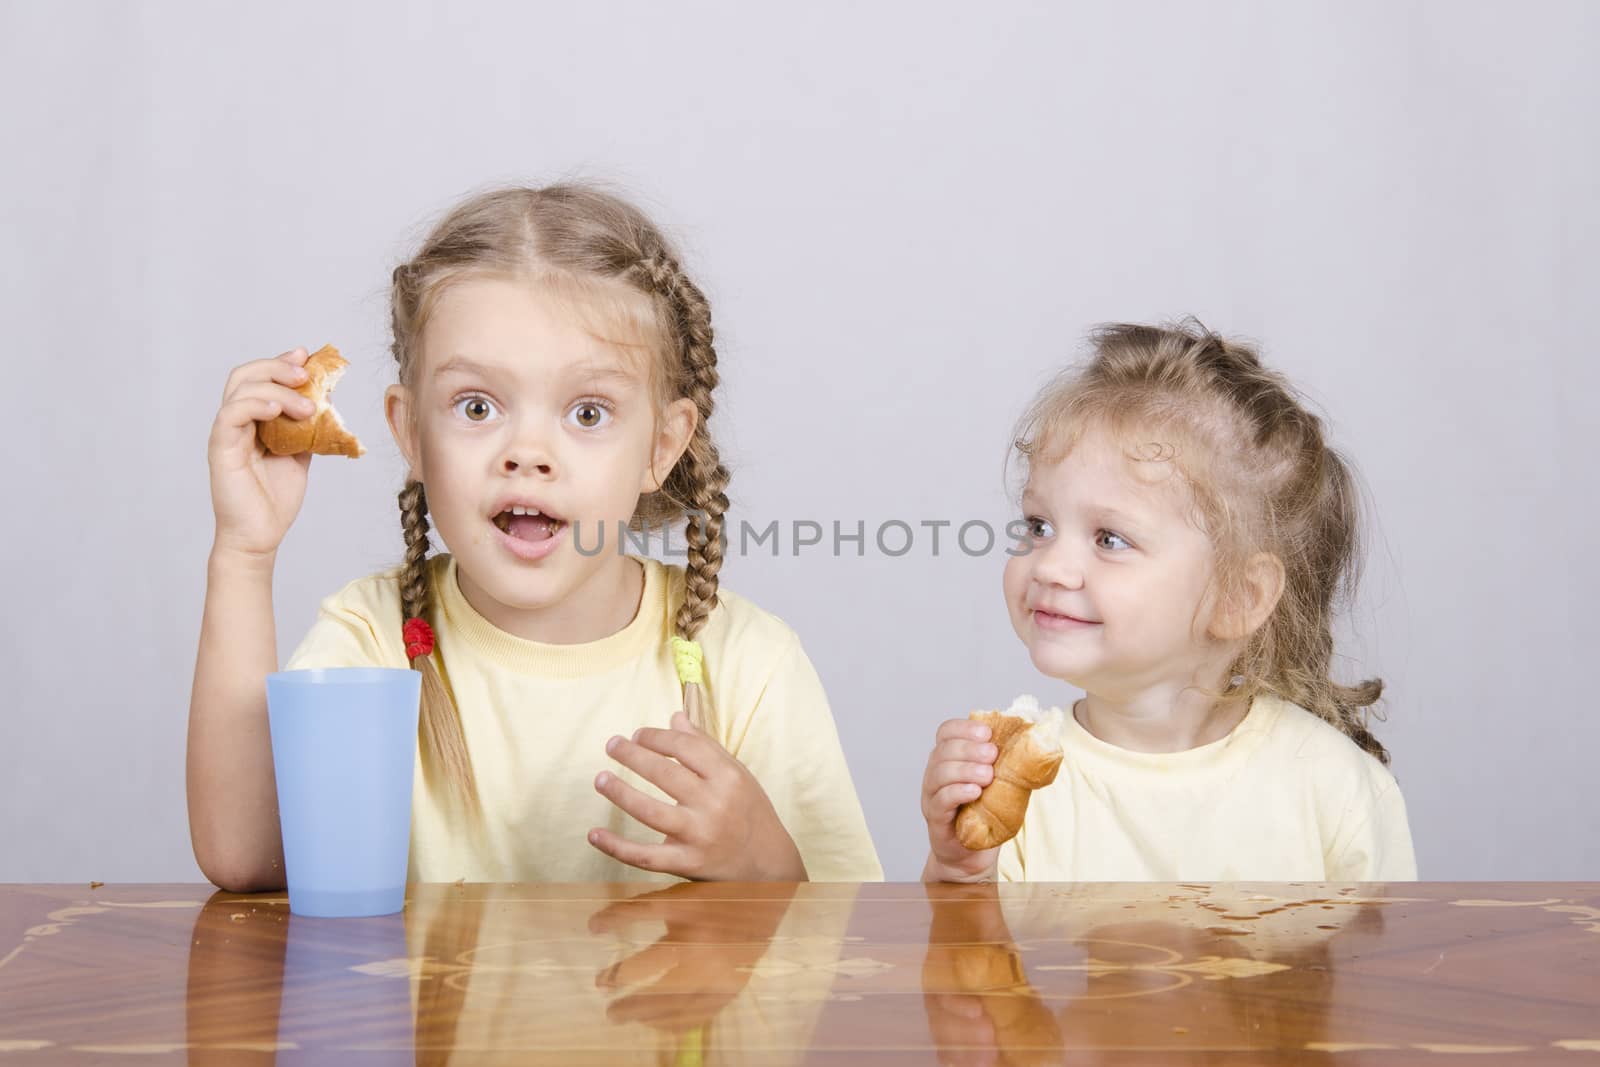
1102	976
762	974
667	975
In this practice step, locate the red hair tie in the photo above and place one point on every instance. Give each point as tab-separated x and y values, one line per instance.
418	636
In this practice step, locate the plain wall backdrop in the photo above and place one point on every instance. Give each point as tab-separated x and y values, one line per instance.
906	217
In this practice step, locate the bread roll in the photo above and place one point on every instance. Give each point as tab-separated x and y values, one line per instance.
1029	740
320	432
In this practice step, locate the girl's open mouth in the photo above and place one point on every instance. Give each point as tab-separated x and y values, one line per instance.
525	524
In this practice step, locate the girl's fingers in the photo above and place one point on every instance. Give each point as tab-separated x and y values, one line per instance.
954	772
948	798
297	406
663	818
287	369
236	421
663	859
961	749
692	749
953	729
242	415
670	776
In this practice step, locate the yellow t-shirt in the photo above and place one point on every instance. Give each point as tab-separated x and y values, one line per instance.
1285	797
537	716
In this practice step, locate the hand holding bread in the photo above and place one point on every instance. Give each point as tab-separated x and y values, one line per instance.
978	779
1029	742
256	493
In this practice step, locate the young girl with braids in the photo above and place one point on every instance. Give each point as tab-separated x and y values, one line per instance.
556	378
1189	534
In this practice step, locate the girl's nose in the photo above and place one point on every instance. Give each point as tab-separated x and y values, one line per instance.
526	454
513	464
1057	564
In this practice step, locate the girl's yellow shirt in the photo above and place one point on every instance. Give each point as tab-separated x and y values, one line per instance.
537	717
1285	797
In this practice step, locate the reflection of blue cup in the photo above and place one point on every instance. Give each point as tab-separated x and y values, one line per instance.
346	993
344	745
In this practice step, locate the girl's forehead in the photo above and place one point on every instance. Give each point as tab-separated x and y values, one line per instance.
513	328
1116	470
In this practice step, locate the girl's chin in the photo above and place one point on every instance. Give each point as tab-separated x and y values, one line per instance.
1051	664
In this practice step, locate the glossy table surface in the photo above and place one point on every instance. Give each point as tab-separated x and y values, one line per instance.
752	974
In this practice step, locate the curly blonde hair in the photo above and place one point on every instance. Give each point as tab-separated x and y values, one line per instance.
1263	479
607	261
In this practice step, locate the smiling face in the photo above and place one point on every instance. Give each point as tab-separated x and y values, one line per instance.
1114	595
525	428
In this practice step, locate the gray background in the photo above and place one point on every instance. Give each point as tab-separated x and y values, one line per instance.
906	216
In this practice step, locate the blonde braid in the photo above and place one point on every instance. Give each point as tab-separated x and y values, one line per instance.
443	741
414	589
699	481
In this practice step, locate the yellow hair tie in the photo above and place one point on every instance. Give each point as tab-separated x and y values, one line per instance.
689	660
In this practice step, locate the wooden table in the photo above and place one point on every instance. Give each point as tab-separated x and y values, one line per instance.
756	974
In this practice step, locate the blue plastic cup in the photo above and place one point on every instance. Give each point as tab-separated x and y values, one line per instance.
344	745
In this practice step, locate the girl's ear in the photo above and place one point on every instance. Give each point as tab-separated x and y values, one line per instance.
398	410
1258	594
673	433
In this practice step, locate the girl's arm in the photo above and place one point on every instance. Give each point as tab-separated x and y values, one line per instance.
233	797
233	800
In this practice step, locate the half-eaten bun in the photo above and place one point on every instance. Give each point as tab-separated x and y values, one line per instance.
321	431
1029	740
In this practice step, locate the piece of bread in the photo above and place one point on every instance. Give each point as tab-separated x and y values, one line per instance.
320	432
1029	740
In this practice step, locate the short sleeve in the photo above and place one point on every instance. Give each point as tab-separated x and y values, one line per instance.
351	630
1374	842
788	740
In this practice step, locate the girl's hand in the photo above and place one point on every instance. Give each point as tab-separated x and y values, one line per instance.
723	826
960	765
254	494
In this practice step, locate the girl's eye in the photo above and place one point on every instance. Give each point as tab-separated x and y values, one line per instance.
589	415
475	408
1039	528
1111	542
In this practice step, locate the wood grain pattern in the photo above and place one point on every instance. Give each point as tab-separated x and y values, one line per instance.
755	974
